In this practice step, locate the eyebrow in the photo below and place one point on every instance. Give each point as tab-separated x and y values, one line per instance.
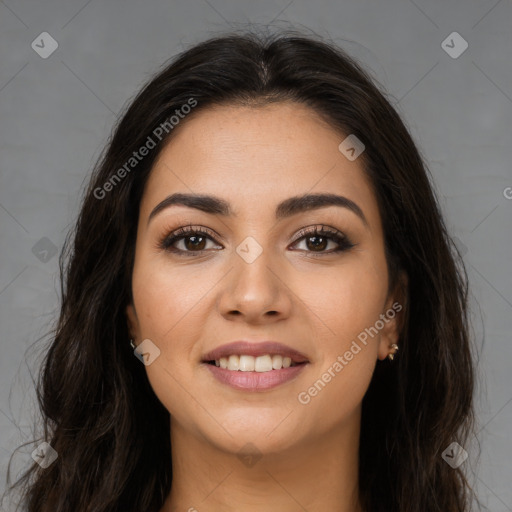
287	208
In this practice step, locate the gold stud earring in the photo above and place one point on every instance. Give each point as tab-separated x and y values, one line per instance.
392	356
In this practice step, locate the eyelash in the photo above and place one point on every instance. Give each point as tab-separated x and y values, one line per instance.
167	241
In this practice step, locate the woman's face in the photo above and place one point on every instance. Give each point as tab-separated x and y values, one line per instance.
256	276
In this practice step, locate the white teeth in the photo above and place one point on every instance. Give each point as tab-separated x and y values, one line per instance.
246	363
277	362
263	364
233	363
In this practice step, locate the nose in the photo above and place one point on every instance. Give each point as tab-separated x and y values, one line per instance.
255	292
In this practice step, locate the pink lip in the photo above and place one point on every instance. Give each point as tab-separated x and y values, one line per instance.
255	349
255	381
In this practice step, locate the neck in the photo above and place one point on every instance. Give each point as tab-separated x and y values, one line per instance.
319	475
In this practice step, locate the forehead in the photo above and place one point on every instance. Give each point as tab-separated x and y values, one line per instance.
255	157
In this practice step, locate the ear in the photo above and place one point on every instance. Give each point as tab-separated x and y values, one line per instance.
133	323
393	317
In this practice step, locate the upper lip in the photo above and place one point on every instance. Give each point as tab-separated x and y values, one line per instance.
255	349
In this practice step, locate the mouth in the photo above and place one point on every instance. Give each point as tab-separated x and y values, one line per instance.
254	366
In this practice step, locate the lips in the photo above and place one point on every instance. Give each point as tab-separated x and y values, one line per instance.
254	374
254	349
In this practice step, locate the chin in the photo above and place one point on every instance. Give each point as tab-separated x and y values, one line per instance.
261	428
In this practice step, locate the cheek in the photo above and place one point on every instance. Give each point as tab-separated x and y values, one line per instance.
344	302
168	308
344	307
168	302
336	393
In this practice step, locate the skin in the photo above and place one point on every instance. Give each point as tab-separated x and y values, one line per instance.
254	158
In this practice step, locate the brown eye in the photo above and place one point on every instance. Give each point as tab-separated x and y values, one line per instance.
320	242
194	240
197	243
317	240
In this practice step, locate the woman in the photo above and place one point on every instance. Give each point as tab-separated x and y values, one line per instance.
262	235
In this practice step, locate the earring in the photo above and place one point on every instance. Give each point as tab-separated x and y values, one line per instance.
131	343
392	356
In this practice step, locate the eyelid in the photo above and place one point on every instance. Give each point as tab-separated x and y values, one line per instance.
173	235
339	237
318	228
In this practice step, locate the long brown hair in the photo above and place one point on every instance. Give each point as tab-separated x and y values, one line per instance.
98	409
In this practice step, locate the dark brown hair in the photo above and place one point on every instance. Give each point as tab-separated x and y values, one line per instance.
99	411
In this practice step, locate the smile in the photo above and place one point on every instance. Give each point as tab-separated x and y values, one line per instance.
251	366
247	363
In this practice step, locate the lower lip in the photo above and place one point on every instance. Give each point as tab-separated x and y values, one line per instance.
255	381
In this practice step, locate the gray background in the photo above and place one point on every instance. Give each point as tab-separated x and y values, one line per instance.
56	113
